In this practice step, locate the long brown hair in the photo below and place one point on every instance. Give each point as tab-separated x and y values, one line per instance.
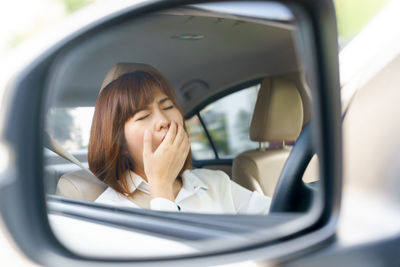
108	155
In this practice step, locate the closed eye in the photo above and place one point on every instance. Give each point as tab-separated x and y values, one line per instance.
143	117
170	107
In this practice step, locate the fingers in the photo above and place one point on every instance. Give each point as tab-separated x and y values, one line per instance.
147	143
184	148
184	144
175	137
180	134
170	137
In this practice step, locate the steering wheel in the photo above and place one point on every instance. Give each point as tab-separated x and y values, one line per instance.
291	193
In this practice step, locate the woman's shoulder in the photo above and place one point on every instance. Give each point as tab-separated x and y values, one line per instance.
107	194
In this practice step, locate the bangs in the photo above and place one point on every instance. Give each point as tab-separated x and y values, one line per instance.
136	91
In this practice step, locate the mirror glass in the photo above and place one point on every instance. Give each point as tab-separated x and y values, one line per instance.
218	135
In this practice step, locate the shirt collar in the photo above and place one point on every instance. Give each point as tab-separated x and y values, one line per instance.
192	182
135	182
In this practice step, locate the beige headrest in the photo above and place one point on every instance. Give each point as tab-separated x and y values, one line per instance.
278	114
121	68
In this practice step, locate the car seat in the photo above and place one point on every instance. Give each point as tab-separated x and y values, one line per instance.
277	117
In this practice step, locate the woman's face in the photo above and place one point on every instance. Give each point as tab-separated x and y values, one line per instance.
156	118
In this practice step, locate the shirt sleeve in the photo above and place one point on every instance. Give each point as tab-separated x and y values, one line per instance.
248	202
163	204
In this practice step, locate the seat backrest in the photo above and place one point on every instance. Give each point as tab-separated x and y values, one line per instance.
277	117
80	185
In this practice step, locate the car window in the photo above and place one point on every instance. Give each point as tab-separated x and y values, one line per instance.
199	143
228	122
70	127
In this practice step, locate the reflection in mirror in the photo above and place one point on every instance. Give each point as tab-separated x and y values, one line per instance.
190	110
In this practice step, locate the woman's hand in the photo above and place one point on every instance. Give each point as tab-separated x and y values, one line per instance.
164	164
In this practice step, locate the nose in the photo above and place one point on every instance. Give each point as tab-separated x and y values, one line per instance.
161	120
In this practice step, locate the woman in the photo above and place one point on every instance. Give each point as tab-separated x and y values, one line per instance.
140	148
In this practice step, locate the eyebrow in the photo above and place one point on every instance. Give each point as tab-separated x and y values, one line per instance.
163	100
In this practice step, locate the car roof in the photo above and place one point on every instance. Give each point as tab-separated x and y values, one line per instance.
201	55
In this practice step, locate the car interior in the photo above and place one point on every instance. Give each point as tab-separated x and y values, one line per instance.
206	57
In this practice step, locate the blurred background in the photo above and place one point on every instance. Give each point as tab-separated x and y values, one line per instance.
21	20
354	15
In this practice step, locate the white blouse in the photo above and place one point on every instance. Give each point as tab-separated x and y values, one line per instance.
203	190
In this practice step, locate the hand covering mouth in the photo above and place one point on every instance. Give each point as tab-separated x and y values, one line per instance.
162	139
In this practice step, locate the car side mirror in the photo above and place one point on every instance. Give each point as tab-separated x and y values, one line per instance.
51	75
